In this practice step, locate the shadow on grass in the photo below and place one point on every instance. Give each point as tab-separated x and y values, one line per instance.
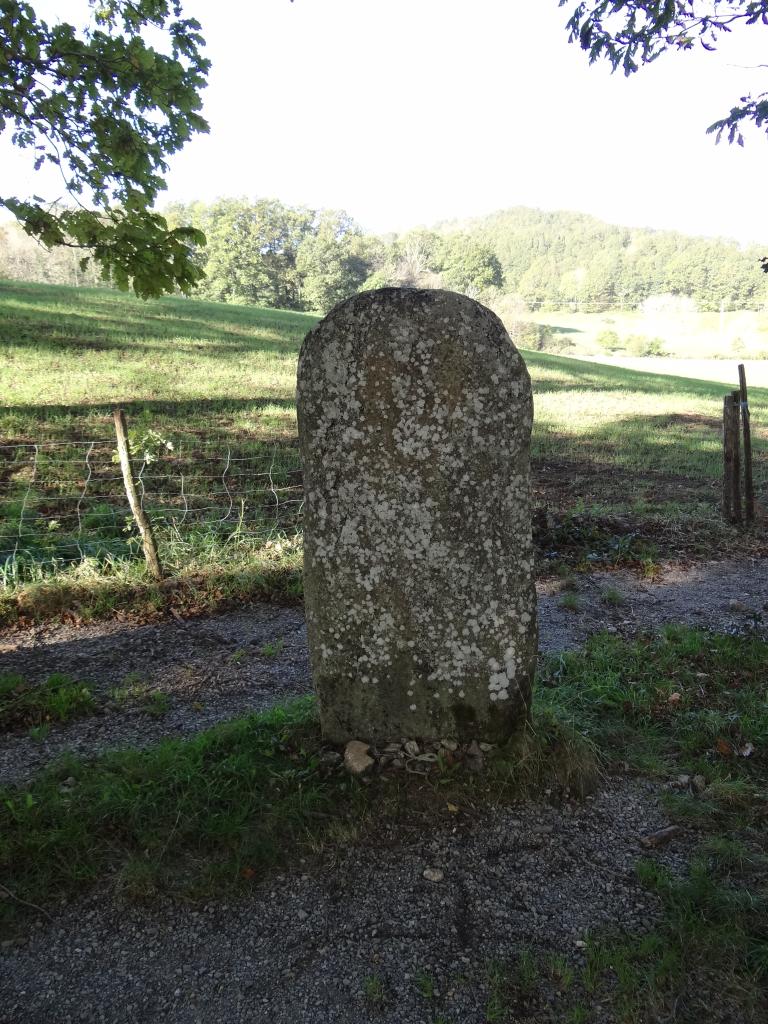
577	374
672	448
203	416
558	329
111	317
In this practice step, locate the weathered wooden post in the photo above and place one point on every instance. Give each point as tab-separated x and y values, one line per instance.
736	430
749	489
145	527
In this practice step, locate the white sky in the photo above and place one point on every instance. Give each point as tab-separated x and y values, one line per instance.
413	111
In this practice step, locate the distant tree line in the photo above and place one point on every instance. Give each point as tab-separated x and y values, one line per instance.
560	260
269	254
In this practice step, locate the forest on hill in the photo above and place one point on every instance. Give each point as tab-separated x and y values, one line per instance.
266	253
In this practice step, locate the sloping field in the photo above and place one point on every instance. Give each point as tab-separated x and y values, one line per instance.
616	453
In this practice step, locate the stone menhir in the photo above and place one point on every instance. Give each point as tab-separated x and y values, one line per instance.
415	417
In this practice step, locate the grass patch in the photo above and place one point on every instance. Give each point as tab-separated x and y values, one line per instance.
374	991
155	702
128	593
687	701
218	810
272	648
25	705
513	988
710	949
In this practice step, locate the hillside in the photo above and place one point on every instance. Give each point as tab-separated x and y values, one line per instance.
265	253
626	465
572	260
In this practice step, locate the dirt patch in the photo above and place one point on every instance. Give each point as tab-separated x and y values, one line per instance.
209	670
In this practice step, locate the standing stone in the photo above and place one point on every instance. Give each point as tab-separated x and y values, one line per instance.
415	417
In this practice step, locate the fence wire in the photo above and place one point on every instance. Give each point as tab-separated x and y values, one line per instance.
64	502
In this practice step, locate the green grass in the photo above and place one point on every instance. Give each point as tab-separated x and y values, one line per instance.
626	464
685	702
216	811
711	948
511	987
374	991
24	705
425	984
272	648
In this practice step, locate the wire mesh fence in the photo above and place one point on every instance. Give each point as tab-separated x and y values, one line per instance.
63	503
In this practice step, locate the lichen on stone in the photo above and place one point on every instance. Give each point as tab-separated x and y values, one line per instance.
415	415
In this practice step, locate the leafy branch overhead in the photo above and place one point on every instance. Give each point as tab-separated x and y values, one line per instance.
630	33
106	108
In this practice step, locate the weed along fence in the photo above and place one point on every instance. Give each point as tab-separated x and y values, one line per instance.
73	506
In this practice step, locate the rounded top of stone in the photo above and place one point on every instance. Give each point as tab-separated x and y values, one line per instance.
407	301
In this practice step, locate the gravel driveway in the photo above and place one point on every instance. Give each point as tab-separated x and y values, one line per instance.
313	947
365	937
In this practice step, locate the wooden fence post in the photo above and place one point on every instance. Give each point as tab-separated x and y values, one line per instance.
736	428
143	523
749	490
731	496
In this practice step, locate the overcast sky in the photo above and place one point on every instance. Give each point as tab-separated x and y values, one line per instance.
413	111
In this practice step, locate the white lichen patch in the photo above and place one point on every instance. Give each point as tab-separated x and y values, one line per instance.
415	416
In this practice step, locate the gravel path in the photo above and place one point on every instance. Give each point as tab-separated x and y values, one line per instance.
218	668
308	948
365	936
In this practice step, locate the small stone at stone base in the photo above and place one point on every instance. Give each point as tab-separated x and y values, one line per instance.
661	837
449	744
433	874
412	748
356	759
474	759
699	783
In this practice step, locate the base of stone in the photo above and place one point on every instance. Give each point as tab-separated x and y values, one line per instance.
364	715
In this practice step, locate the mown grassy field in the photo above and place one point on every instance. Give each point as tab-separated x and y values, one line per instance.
616	453
741	334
